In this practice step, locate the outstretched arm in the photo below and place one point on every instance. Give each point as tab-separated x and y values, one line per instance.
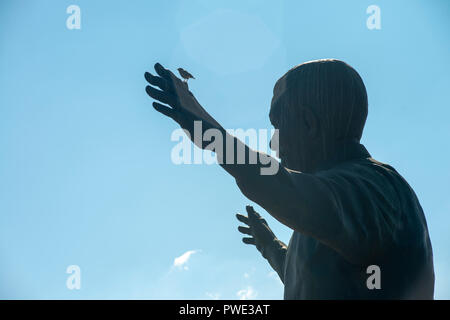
264	239
184	109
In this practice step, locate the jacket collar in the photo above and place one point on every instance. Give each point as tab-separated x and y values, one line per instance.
345	150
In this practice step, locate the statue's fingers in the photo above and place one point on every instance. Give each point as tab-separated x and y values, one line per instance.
252	214
245	230
157	81
249	241
255	216
242	218
161	70
161	96
165	73
167	111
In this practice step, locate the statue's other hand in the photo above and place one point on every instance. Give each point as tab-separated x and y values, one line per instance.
260	234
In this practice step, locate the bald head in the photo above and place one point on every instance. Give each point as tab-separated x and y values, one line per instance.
332	89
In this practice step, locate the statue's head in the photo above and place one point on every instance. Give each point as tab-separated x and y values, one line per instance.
315	106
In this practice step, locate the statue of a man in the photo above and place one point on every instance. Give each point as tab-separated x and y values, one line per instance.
349	213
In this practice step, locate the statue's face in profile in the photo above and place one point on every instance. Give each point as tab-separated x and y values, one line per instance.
296	143
285	142
275	119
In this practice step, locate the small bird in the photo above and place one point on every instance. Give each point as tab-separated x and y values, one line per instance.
185	75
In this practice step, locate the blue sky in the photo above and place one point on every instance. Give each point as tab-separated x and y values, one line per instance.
86	176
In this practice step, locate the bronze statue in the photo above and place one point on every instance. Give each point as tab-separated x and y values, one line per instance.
349	213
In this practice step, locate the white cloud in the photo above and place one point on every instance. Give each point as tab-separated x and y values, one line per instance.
250	273
214	296
181	261
247	294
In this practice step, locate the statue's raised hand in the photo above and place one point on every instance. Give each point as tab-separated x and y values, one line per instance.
183	106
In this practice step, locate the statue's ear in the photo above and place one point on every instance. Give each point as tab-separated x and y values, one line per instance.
310	123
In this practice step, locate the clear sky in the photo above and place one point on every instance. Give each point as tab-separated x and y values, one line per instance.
86	176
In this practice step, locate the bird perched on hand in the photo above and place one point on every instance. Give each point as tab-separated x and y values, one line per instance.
185	75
